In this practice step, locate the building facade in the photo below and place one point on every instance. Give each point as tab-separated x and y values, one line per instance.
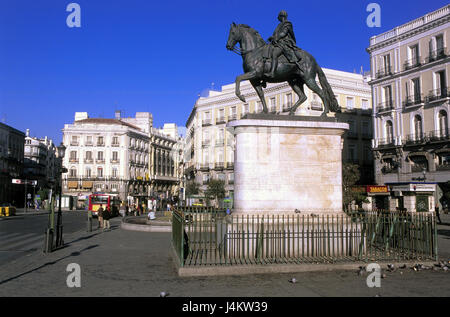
123	156
40	161
11	165
209	149
410	68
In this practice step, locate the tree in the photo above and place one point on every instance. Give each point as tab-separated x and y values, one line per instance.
215	189
192	188
350	176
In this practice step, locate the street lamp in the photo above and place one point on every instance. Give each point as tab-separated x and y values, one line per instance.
59	226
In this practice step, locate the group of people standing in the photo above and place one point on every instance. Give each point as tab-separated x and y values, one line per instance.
103	217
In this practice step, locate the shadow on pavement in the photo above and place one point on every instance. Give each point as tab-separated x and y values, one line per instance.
76	253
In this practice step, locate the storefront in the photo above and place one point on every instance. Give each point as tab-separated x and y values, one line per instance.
414	197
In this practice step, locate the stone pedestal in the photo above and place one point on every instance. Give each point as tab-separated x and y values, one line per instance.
286	163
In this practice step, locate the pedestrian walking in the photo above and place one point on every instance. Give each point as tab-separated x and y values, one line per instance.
437	213
100	216
106	216
122	209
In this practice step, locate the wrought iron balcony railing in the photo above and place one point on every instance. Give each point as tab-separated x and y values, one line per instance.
383	72
438	94
385	106
412	139
439	135
438	54
412	63
220	120
206	122
414	100
385	142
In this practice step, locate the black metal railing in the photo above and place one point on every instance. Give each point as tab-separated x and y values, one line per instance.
385	106
220	120
438	54
206	122
438	94
439	135
414	100
383	72
411	63
415	138
385	142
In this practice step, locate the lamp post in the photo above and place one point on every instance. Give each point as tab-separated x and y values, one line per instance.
59	226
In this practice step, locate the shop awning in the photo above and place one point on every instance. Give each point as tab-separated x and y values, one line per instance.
72	184
87	184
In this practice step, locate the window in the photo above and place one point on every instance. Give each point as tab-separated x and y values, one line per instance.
350	103
73	172
273	106
100	155
100	172
387	63
88	172
417	127
100	140
259	107
115	140
387	96
221	114
365	128
73	155
114	172
364	104
221	177
443	123
289	100
440	84
352	153
245	109
352	126
389	131
88	155
89	140
413	53
115	156
415	85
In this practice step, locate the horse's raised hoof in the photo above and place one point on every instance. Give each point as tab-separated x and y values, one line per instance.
241	98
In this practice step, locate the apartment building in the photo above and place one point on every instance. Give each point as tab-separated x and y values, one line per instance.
410	68
123	156
209	150
11	165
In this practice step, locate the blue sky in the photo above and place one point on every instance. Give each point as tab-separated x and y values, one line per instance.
157	56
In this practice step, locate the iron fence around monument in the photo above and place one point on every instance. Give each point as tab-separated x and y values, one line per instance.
211	237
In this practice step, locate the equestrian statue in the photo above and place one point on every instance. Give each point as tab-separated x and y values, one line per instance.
278	61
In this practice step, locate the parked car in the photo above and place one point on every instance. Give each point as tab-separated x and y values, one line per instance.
6	210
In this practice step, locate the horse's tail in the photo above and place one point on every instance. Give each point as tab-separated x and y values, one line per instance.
333	104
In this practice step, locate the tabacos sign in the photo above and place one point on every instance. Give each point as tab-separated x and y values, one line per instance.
377	189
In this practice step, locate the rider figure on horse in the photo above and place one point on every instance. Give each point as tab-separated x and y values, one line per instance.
283	42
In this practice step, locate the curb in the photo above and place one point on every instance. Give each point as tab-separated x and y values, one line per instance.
277	269
145	228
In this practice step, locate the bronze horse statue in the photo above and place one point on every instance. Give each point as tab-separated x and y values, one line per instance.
256	66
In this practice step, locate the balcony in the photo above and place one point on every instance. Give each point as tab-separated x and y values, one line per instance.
414	139
88	160
115	161
316	105
115	144
412	101
287	106
436	55
385	142
220	142
230	165
385	106
220	120
438	94
74	143
230	181
73	160
206	122
439	135
443	167
219	165
88	143
411	63
100	143
100	161
232	117
204	167
383	72
205	143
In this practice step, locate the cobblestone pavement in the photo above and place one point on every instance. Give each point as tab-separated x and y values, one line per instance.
130	263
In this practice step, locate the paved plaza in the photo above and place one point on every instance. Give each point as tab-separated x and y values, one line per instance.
130	263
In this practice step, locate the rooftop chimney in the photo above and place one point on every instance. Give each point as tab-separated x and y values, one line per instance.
117	114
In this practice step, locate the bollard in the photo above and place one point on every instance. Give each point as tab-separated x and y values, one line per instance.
48	246
89	223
